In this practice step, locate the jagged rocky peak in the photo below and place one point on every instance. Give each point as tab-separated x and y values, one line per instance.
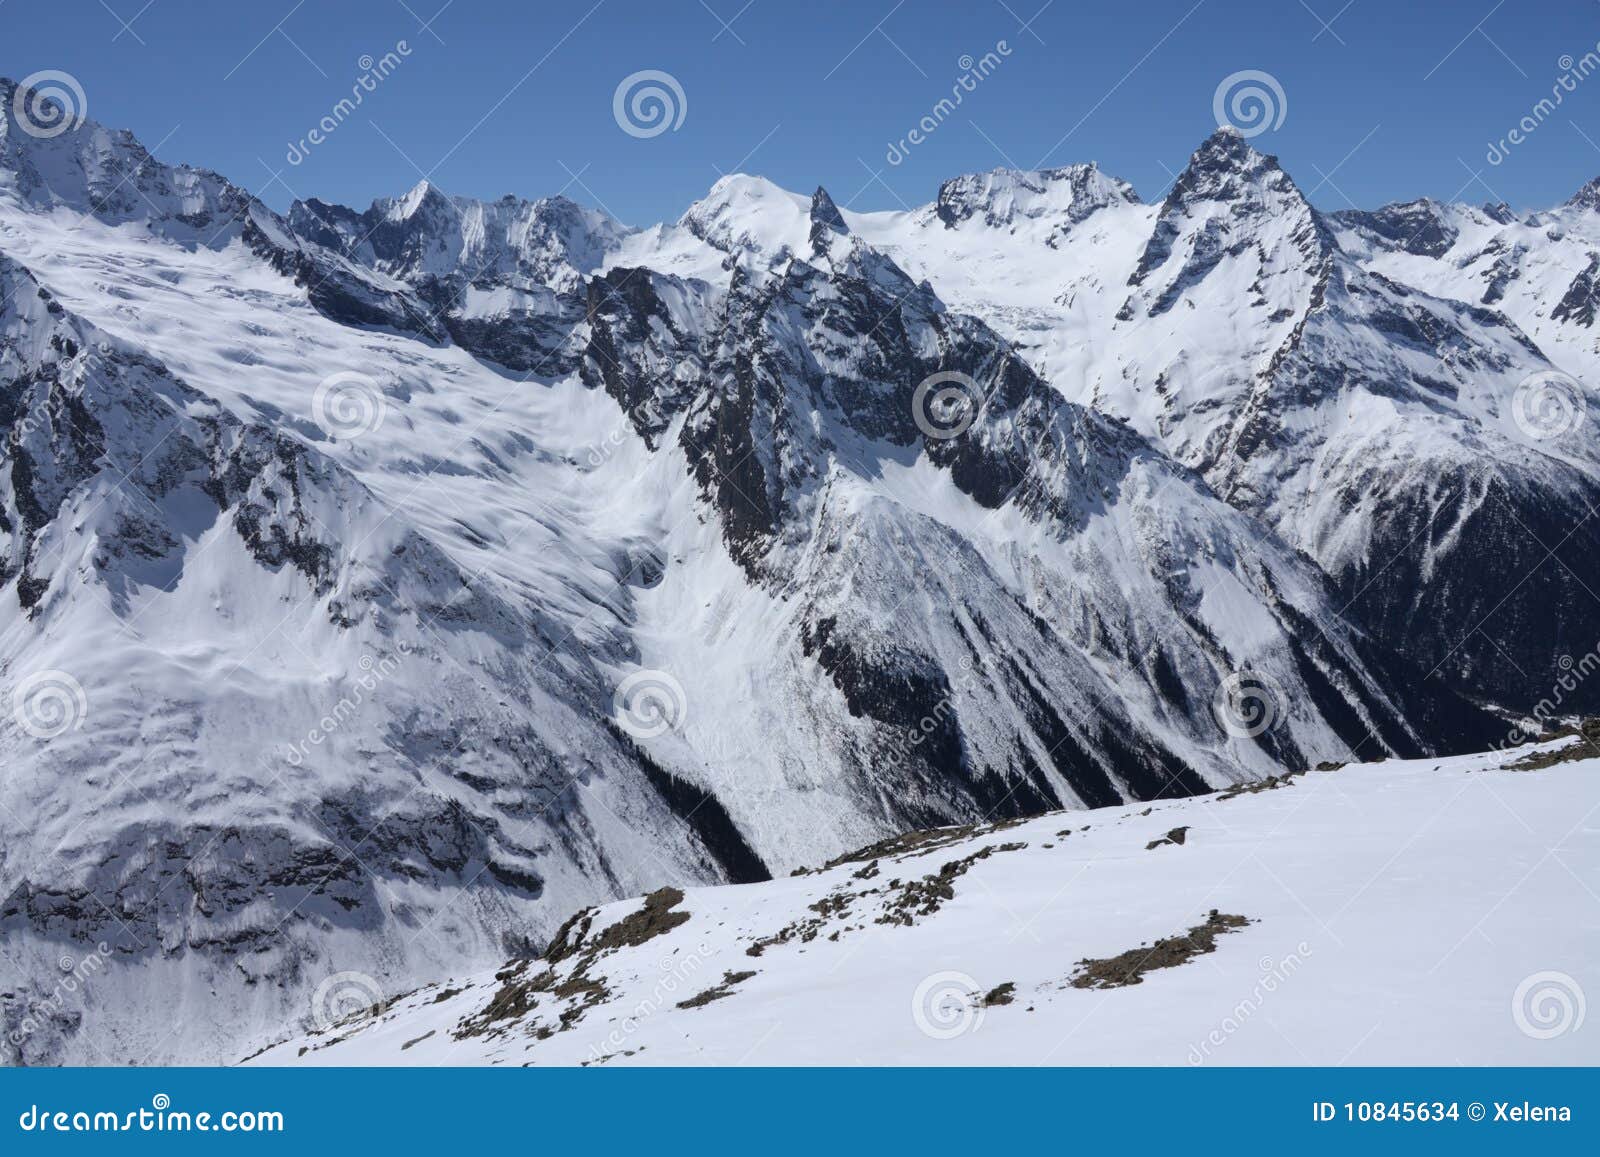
1422	226
325	222
1226	168
57	158
825	212
1498	212
507	278
1002	196
827	223
427	234
1588	197
1232	204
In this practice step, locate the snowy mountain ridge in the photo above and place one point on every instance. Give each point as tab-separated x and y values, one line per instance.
412	577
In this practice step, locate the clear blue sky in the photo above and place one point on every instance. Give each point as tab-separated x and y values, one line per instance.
1386	102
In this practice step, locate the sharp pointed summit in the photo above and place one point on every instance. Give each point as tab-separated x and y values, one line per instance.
1230	201
826	222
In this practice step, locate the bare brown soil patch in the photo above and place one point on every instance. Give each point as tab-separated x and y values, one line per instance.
722	989
1130	967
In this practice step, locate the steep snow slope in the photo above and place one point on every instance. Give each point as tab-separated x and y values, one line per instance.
263	727
1430	912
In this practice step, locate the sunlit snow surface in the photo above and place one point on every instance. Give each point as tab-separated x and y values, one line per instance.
1398	912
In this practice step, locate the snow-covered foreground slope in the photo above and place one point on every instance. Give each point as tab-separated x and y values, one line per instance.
1429	911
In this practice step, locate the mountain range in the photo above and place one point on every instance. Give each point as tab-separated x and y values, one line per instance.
378	587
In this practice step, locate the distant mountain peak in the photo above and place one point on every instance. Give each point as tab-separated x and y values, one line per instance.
1499	211
1420	226
1587	197
1000	197
1224	168
750	189
743	213
422	199
825	212
827	222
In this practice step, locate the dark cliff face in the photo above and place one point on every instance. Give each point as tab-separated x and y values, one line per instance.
1577	305
637	350
1489	582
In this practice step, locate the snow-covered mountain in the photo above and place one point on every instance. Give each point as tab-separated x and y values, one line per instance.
1412	440
262	726
379	587
1379	914
107	174
505	277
